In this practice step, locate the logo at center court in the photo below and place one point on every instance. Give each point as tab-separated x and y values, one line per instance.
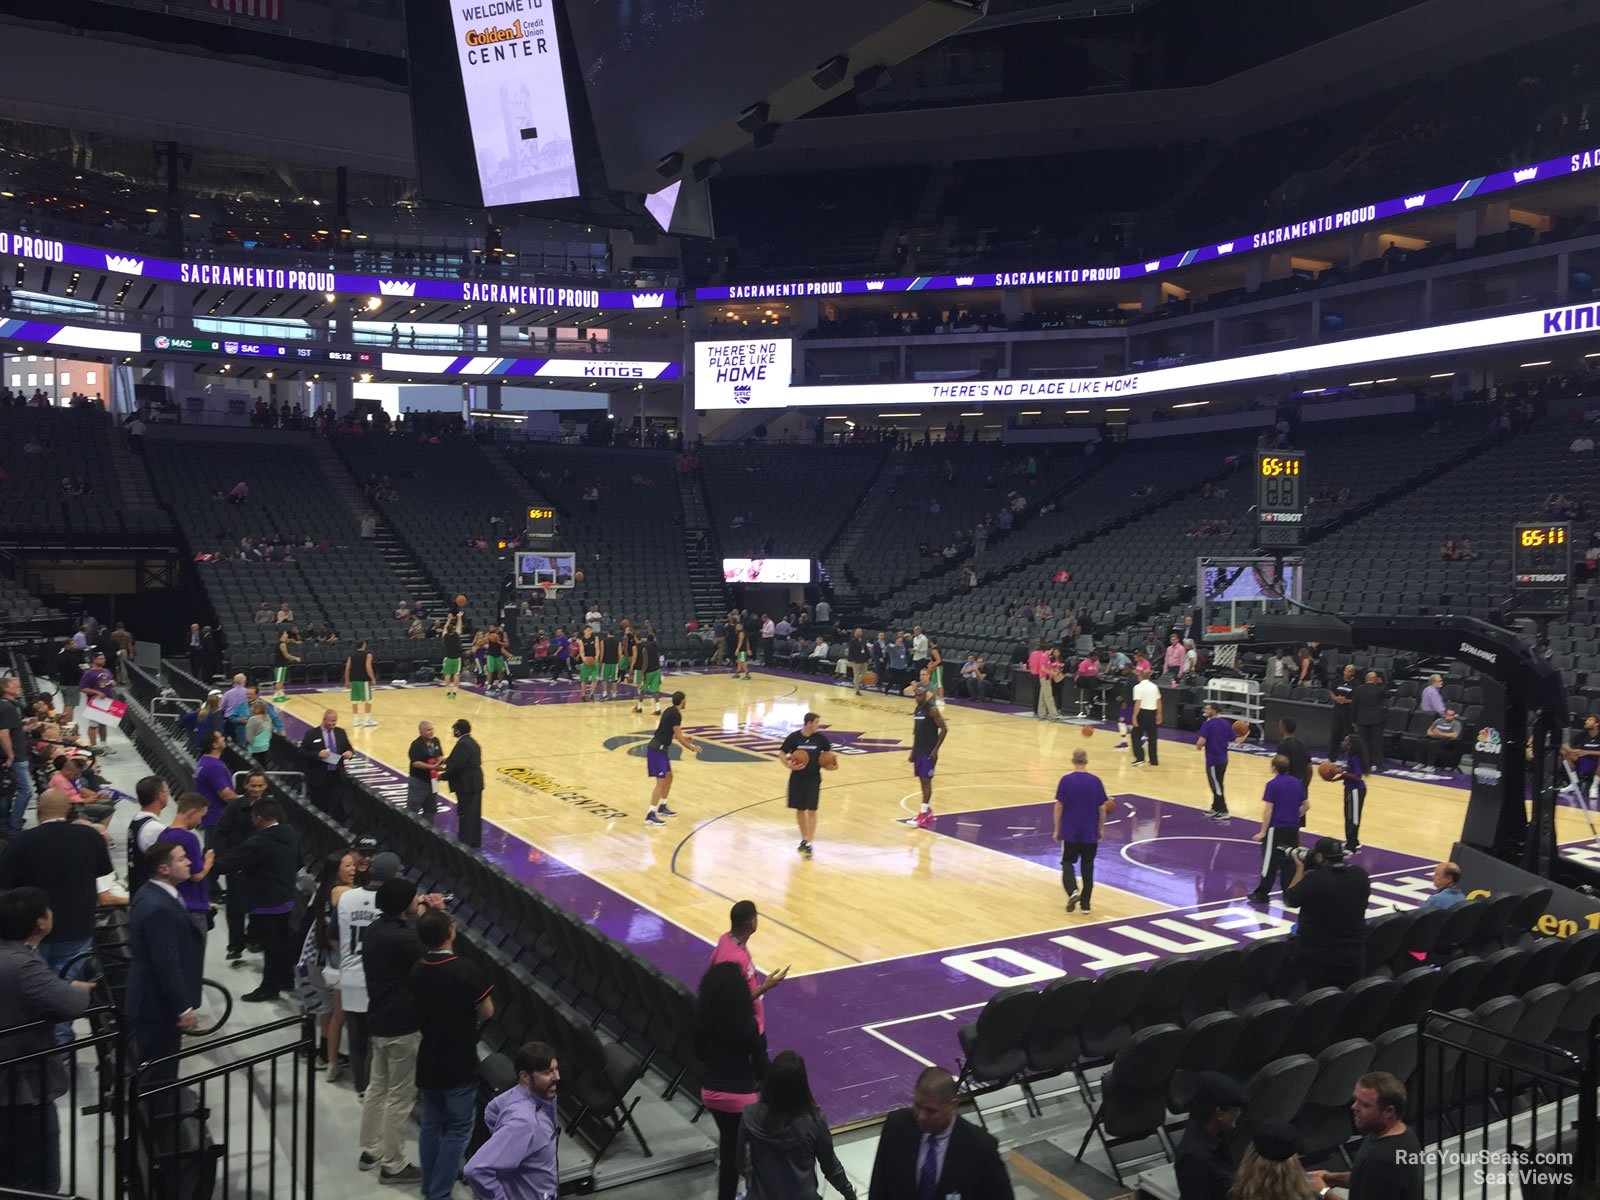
752	743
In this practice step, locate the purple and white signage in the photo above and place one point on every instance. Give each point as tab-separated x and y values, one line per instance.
516	100
743	374
544	368
1331	222
717	391
285	279
69	337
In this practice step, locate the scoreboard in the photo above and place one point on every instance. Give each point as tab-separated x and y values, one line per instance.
1280	497
1541	568
541	522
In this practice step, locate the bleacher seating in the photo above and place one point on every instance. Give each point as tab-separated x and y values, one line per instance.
799	496
74	444
342	580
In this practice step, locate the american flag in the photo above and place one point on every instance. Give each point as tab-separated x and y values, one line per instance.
267	10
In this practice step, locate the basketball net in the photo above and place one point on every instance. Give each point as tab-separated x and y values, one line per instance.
1227	655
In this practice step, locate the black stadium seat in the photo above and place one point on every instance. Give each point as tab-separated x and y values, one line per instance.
1212	1039
1133	1091
994	1048
1053	1043
1323	1119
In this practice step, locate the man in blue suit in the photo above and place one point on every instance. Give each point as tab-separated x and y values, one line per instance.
168	956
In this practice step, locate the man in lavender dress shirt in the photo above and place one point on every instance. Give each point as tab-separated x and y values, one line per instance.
518	1162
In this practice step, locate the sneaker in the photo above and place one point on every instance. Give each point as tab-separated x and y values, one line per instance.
1214	815
406	1174
805	849
665	811
924	820
371	724
1138	762
235	953
1353	848
650	818
1084	908
336	1071
280	699
1120	746
637	709
368	1161
1072	902
1256	898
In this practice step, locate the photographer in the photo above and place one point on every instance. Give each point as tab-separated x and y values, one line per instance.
1331	894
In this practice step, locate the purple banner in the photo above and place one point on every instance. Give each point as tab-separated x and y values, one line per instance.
286	279
1481	185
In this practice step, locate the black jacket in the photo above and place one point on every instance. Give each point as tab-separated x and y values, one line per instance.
733	1060
1203	1166
234	827
264	868
315	741
463	770
166	954
972	1163
1369	701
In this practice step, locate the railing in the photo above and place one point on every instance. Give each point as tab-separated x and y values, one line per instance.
1498	1115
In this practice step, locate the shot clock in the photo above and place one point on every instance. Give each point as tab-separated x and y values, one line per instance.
1541	568
1280	497
541	522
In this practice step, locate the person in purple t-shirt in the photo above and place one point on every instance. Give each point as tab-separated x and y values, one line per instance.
1080	819
214	783
195	892
97	681
1215	734
1285	806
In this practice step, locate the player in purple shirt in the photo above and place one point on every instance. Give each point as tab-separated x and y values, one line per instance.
1215	734
1285	806
98	682
1354	774
1080	819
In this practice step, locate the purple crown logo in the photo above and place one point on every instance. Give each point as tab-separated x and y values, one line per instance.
741	393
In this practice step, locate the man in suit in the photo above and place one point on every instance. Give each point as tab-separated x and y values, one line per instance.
264	869
326	749
463	771
167	954
926	1152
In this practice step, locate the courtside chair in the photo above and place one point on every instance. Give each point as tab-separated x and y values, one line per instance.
1053	1045
1266	1025
1323	1120
1503	977
1491	931
1460	928
1133	1094
1212	1040
1414	995
1215	971
1582	951
1544	960
1316	1015
994	1048
1277	1090
1530	907
1166	984
1107	1025
1583	1006
1368	1003
1395	1051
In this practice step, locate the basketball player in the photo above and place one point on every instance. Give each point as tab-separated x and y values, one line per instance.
928	730
936	670
610	663
805	785
1215	734
280	673
494	659
450	666
1285	805
741	654
1080	823
1354	774
588	663
359	678
631	671
647	669
1582	756
659	763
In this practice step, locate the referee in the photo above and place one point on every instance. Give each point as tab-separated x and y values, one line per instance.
805	785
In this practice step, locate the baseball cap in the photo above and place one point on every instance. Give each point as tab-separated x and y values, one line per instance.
1276	1141
385	866
365	845
1213	1089
396	895
1331	849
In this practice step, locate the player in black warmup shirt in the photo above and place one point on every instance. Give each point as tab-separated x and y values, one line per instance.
928	732
805	785
659	762
450	667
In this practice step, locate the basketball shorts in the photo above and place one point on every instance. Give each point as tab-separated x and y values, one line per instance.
588	672
743	657
936	678
922	766
495	665
657	764
608	672
638	678
281	677
805	790
450	667
652	682
360	692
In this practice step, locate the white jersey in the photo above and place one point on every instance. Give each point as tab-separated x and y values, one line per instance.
358	908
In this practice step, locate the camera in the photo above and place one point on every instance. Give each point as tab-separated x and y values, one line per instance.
1300	854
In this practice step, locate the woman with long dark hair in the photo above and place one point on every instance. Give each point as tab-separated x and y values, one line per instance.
338	877
733	1058
784	1137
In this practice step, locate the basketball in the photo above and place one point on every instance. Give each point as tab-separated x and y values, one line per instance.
1110	806
1328	770
1088	731
461	601
799	760
578	576
829	760
869	679
1241	729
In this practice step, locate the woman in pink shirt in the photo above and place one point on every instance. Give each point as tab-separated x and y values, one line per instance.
1173	659
1088	680
733	1056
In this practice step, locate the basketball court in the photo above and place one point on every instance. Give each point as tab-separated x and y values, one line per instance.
894	934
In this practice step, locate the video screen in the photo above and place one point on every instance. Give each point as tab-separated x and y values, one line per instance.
1251	581
766	570
558	567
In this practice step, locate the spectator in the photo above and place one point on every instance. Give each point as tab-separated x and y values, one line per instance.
1203	1167
205	720
424	755
14	754
1433	696
927	1150
732	947
733	1054
817	660
264	870
69	779
326	751
258	729
1369	702
1466	551
390	950
97	683
193	891
463	771
166	958
152	794
824	613
1271	1169
974	679
1172	659
239	493
214	781
30	992
264	614
1442	750
1447	891
66	860
453	997
1331	894
519	1158
1448	551
784	1137
232	830
234	696
1388	1164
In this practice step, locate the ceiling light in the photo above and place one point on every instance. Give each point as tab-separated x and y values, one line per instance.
1119	410
1541	363
1451	374
1192	404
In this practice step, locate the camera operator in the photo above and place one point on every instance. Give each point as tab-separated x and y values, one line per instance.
1331	894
